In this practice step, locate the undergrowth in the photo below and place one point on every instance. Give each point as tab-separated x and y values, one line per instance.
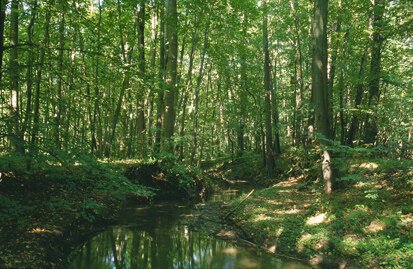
368	219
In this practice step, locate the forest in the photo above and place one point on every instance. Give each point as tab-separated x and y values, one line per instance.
104	103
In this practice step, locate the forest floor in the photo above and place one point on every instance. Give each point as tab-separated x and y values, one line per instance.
366	223
45	213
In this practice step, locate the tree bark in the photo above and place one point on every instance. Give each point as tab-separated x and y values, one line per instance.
16	141
267	87
180	148
160	109
141	50
320	88
36	116
275	115
172	24
375	69
29	76
197	90
94	144
359	94
3	5
125	84
60	80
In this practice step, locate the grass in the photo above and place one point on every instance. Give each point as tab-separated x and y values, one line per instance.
369	221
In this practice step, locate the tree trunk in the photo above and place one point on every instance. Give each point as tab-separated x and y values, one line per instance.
320	88
36	116
243	90
375	69
3	5
298	79
187	89
172	23
96	87
154	35
125	84
141	50
267	86
160	109
197	90
29	76
16	141
275	115
60	80
359	94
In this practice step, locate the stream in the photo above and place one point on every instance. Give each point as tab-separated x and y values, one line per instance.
155	236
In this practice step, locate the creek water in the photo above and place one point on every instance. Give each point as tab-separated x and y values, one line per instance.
155	237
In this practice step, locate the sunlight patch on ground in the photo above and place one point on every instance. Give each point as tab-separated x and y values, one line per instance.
306	237
262	218
317	219
369	166
375	226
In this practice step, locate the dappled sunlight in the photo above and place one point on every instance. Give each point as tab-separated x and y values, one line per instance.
304	239
45	231
366	165
274	202
317	219
375	226
262	218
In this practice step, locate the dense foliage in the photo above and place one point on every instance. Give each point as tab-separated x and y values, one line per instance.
182	85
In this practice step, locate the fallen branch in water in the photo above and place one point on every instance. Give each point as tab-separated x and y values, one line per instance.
243	200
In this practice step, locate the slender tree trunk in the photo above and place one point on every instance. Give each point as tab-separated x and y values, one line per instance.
29	76
141	49
172	24
16	141
3	5
187	89
332	73
96	86
275	115
59	103
201	148
341	90
359	94
320	87
267	86
243	90
375	69
125	84
298	81
160	109
36	116
154	35
197	90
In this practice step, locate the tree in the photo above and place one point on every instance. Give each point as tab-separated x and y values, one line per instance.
16	141
3	5
172	25
375	69
267	88
320	88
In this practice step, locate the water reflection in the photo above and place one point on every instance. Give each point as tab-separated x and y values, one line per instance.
175	247
157	240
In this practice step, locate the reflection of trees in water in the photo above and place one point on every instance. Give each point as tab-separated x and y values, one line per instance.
171	248
161	243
